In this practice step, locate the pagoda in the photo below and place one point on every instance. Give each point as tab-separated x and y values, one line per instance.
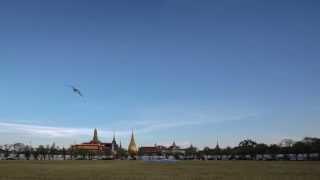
95	139
133	149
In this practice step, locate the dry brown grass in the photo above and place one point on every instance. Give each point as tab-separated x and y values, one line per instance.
139	170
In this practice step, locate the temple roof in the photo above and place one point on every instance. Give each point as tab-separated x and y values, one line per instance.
95	139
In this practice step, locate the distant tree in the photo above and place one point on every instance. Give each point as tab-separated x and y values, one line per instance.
8	148
274	150
312	145
47	151
42	152
261	149
53	150
227	151
247	147
235	152
159	153
64	153
206	152
73	152
35	153
286	143
191	152
27	152
247	143
286	147
141	152
315	145
122	153
83	153
169	154
298	148
310	140
18	149
217	152
177	155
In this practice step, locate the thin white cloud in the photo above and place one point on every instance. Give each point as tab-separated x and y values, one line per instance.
140	127
57	132
42	130
22	131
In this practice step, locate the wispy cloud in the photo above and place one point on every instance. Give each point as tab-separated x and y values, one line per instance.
25	130
42	130
52	132
140	127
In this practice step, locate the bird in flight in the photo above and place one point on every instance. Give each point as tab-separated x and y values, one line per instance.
77	91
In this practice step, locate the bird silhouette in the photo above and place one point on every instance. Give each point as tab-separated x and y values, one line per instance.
76	90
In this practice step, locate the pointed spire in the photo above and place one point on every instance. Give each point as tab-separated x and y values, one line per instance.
114	138
95	136
132	139
174	144
217	146
132	149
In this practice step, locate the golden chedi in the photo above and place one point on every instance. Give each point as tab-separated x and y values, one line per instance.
133	149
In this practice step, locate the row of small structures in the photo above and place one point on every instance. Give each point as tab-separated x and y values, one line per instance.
307	149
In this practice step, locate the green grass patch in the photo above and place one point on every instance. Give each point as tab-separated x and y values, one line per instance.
139	170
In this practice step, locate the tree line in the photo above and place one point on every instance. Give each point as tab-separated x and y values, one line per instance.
251	150
247	149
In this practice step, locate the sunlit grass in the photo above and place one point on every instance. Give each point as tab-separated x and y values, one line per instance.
123	170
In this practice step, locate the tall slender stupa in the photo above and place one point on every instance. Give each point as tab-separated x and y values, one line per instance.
95	139
133	149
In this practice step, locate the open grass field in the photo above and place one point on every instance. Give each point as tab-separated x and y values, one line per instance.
139	170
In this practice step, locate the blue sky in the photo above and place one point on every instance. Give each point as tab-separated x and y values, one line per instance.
189	71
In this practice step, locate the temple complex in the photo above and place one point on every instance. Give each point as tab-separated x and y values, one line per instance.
161	150
98	147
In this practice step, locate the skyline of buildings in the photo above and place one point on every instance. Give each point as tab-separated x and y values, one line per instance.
97	143
95	149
